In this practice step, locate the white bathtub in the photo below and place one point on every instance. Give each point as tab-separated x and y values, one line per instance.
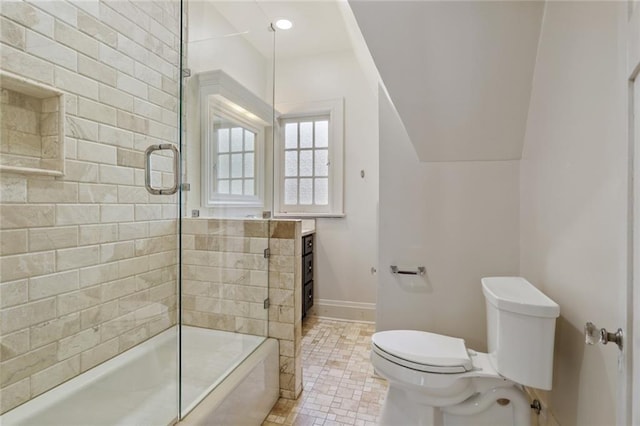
139	387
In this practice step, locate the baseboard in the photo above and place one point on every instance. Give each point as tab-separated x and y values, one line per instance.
338	309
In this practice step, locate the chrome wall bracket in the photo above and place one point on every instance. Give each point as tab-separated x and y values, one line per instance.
536	406
421	270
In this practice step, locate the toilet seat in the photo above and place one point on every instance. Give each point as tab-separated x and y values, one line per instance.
423	351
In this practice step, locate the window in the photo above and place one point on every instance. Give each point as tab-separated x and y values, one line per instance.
234	166
234	128
309	164
306	162
233	160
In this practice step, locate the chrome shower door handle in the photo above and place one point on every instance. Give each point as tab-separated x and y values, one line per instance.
176	169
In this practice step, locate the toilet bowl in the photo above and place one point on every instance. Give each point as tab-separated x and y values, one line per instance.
436	380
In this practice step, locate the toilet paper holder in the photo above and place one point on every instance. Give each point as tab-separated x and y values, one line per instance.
421	270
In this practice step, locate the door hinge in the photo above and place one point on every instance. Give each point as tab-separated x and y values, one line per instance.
267	253
186	72
186	187
266	303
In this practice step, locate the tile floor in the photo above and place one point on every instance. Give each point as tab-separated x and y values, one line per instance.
338	383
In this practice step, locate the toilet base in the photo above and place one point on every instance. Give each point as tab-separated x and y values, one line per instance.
400	409
494	416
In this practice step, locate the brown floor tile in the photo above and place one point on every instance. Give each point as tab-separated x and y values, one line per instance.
339	387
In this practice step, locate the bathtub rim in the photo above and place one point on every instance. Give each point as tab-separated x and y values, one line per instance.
214	399
184	411
77	383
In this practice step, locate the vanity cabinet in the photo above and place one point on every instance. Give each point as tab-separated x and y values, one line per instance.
307	273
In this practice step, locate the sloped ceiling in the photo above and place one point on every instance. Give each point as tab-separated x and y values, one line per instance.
458	72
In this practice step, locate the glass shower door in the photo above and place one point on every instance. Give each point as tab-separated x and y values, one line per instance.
88	257
227	142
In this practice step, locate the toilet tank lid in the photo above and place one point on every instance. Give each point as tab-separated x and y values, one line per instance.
516	294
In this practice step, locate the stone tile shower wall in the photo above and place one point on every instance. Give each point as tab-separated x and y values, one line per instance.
88	259
285	295
226	279
225	275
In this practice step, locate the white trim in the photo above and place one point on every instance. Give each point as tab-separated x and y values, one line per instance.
223	96
307	215
212	198
628	412
219	83
630	357
344	310
343	320
334	108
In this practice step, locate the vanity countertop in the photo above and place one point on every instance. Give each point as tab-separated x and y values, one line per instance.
308	227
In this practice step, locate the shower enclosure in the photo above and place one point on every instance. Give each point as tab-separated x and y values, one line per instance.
139	265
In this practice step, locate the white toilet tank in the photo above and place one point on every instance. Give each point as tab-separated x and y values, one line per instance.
521	323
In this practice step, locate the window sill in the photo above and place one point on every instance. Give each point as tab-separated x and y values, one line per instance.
309	215
230	204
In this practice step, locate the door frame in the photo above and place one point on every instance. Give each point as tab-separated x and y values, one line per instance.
630	358
629	365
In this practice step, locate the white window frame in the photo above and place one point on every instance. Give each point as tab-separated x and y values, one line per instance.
223	96
210	181
334	109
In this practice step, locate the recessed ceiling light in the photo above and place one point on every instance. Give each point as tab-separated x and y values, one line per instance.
284	24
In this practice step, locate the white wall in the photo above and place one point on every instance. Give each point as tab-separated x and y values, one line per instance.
573	198
214	43
459	72
459	219
345	247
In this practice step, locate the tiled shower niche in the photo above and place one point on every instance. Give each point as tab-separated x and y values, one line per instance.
32	127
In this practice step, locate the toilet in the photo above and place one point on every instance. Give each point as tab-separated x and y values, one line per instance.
435	380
